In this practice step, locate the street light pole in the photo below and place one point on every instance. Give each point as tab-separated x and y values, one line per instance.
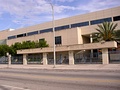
53	25
91	41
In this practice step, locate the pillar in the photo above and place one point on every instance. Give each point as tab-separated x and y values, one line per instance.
9	59
105	57
71	58
24	59
45	59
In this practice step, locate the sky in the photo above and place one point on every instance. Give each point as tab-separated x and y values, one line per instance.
22	13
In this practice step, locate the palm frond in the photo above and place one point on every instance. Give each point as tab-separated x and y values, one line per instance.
106	31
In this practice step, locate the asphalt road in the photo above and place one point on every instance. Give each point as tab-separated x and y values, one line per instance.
27	79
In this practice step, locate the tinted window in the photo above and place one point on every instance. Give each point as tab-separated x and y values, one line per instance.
116	18
32	33
80	24
21	35
61	27
46	30
41	39
11	37
58	40
100	21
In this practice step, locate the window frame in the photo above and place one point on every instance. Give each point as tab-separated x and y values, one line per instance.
46	30
98	21
81	24
58	40
11	37
116	18
32	33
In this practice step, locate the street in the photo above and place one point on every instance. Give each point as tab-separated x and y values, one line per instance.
37	79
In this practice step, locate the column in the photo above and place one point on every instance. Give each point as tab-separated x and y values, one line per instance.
9	59
24	59
71	58
105	57
45	59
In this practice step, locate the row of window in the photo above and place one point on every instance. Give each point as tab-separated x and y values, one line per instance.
46	30
81	24
61	27
100	21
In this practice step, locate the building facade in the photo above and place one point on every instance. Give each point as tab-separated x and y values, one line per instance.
72	36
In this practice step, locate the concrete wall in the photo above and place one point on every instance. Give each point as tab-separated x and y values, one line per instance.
69	37
4	34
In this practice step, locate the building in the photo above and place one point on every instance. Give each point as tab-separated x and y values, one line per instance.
72	35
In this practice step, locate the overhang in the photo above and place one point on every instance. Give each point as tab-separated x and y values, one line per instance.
100	45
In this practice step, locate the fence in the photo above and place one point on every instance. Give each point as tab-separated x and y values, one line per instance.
35	59
79	58
88	58
17	59
3	60
114	57
59	59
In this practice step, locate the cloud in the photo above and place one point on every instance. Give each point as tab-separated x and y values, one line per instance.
30	12
95	5
62	8
65	0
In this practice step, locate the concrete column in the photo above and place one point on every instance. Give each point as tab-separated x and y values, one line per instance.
24	59
71	58
105	57
91	39
9	59
45	59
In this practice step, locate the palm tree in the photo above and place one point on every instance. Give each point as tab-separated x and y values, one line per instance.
106	32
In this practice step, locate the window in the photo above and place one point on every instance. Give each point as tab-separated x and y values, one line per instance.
41	39
11	37
100	21
28	41
116	18
21	35
58	40
61	27
32	33
80	24
46	30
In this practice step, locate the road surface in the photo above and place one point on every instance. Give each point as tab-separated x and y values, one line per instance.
34	79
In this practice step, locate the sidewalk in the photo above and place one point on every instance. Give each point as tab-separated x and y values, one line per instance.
111	67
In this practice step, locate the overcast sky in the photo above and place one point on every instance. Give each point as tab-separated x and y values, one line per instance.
21	13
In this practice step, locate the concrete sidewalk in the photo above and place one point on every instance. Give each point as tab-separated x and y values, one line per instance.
66	67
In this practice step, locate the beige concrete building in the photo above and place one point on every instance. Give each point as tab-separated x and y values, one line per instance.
72	35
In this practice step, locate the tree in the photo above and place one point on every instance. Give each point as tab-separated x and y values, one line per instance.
24	45
43	43
4	49
106	32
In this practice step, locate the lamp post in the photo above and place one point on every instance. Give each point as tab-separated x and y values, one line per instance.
53	26
91	41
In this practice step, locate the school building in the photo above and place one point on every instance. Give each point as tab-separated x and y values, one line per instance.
73	38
